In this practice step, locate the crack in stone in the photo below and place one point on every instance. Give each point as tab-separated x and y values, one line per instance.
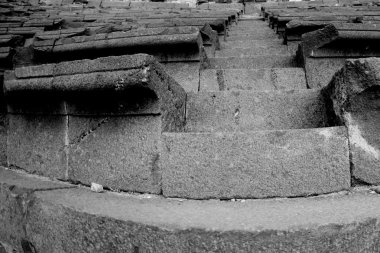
220	79
84	135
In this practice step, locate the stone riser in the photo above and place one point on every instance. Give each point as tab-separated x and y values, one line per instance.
252	79
244	52
248	110
255	164
256	62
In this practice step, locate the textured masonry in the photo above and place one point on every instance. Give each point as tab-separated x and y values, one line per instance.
354	95
93	120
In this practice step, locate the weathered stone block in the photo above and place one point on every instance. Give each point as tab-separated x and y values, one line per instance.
117	152
247	110
37	144
323	52
256	62
16	194
185	74
252	79
242	165
93	120
354	97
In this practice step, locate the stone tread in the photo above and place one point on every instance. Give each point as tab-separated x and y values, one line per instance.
249	110
254	62
252	79
80	220
245	52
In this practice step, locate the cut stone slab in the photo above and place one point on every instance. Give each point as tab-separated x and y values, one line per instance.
185	74
354	95
247	110
255	164
253	44
79	220
252	79
260	36
254	32
37	144
118	152
244	52
256	62
16	190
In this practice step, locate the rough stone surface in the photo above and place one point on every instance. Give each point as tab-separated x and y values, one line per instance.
315	66
37	144
252	79
354	95
16	190
243	165
117	152
257	62
247	110
268	44
244	52
3	138
108	126
185	74
78	220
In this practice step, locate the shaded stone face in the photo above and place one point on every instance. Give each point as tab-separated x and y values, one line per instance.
355	100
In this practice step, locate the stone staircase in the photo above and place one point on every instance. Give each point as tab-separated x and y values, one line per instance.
254	130
242	175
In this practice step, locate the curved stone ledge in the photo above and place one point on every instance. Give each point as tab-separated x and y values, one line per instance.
72	220
156	41
103	77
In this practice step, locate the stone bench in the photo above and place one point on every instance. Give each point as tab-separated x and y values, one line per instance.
93	120
295	28
324	51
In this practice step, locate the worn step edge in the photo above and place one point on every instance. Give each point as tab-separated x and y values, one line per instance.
77	220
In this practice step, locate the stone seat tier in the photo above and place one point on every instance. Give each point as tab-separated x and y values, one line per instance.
64	219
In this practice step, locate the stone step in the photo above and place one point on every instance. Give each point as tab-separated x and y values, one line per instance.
252	23
252	111
259	36
254	26
252	44
78	220
262	164
253	32
256	62
252	79
249	52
